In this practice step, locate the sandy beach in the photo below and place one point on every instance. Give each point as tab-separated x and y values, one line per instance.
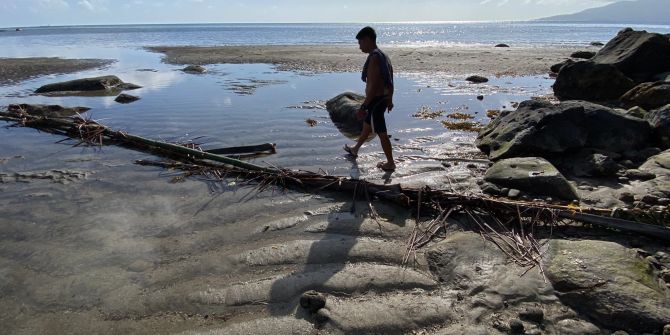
514	61
19	69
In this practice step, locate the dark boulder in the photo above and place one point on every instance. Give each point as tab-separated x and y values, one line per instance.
126	98
659	119
597	44
46	110
556	68
88	84
590	81
539	128
638	54
477	79
648	95
502	45
583	54
342	110
588	163
531	175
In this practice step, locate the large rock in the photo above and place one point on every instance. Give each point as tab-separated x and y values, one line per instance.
591	81
88	84
583	54
608	283
648	95
531	175
539	128
587	163
659	119
46	110
342	110
556	68
638	54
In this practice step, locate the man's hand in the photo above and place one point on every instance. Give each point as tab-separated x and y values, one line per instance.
360	114
390	108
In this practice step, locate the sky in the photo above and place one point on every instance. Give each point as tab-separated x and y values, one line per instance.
75	12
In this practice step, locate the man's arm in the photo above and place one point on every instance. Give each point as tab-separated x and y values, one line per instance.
374	82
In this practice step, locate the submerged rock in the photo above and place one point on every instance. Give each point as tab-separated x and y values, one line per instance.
531	175
126	98
88	84
502	45
194	69
659	119
539	128
608	283
47	110
648	95
597	44
477	79
591	81
583	54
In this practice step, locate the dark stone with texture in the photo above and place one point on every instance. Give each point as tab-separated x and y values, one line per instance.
126	98
477	79
659	119
583	54
539	128
638	54
648	95
516	326
88	84
502	45
591	81
312	301
533	314
194	69
556	68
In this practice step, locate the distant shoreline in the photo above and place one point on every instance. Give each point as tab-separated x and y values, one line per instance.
457	60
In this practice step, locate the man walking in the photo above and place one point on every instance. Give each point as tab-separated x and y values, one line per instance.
378	76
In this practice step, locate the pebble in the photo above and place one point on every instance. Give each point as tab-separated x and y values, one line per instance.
533	314
516	326
636	174
663	201
624	180
650	199
627	197
513	193
312	301
480	97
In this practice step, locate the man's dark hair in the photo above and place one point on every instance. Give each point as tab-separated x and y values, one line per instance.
367	32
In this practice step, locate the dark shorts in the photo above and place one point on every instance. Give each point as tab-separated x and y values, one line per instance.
375	117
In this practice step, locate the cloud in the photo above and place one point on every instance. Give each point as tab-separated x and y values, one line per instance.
86	4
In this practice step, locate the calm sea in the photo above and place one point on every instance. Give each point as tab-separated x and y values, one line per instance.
415	34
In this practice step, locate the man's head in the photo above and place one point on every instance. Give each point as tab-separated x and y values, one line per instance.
367	39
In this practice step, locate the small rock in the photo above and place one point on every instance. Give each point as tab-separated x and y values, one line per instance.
516	326
194	69
312	301
126	98
627	197
624	180
502	45
513	193
666	329
491	189
480	97
663	201
477	79
597	44
533	314
665	275
650	199
635	174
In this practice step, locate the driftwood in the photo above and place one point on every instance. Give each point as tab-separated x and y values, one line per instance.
91	132
250	149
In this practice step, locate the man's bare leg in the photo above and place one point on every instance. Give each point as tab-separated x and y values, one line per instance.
367	130
388	151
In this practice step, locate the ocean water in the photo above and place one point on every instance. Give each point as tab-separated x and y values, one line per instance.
414	34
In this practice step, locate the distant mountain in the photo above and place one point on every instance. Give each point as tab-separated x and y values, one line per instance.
640	11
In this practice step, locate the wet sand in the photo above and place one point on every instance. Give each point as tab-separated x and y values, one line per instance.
19	69
514	61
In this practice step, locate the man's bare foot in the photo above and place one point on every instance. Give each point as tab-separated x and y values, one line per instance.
351	151
388	167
